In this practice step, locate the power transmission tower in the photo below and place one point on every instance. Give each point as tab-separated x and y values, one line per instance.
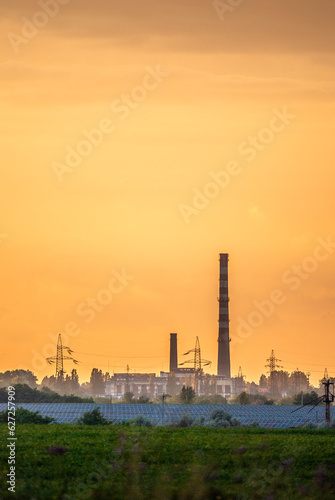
197	361
59	358
239	381
272	363
273	366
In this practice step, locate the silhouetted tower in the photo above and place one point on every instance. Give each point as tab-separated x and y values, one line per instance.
59	358
272	360
223	339
273	366
173	352
197	361
239	381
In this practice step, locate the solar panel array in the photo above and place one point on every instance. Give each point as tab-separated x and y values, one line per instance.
267	416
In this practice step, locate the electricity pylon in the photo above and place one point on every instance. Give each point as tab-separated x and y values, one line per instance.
59	358
197	360
272	365
272	360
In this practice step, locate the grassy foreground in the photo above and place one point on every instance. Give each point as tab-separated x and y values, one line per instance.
130	463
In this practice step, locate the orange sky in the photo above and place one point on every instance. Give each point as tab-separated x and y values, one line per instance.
184	93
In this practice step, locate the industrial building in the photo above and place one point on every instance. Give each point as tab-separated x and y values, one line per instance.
148	384
140	384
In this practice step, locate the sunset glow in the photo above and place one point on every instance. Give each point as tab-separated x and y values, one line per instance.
142	139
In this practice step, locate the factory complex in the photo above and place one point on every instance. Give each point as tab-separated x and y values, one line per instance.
171	382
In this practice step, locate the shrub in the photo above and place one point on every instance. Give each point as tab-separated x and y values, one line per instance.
287	401
185	421
220	415
128	397
140	421
251	399
308	425
244	399
93	417
254	424
23	416
235	422
25	394
326	425
216	423
143	400
219	418
199	422
215	399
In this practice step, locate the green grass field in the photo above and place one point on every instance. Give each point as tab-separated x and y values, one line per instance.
130	463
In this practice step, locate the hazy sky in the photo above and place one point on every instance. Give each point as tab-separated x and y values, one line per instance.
139	140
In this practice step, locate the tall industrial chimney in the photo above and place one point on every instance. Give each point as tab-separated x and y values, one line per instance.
223	340
173	352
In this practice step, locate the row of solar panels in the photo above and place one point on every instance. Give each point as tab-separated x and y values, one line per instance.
266	416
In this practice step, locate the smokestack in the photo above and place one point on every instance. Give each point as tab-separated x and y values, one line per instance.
223	340
173	352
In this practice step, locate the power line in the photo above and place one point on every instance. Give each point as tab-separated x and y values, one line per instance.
122	357
300	354
317	371
308	364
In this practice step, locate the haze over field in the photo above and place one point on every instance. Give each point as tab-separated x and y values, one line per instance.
141	139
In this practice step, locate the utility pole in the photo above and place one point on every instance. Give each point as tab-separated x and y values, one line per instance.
328	398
